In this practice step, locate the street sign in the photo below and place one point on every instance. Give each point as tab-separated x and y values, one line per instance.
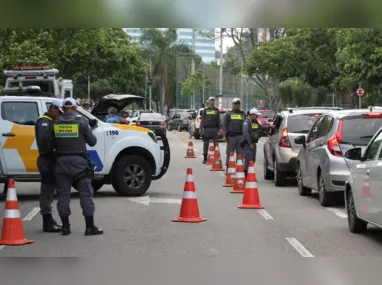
260	103
360	92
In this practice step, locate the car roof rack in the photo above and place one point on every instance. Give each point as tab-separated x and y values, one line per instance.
33	91
311	108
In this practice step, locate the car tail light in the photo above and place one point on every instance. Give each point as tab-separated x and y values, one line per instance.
162	123
284	141
333	142
374	115
138	123
185	119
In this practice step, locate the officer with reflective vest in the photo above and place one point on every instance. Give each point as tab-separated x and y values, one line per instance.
45	163
252	132
71	134
209	126
232	128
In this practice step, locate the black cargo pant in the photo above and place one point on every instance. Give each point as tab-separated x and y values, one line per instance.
45	166
74	170
233	144
209	134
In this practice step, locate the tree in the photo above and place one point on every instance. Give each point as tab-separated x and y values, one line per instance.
195	83
162	47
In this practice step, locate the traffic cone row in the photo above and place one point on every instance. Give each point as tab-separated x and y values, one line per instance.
230	176
211	153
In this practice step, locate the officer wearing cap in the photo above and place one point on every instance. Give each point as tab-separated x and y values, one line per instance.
252	132
232	128
71	134
209	126
45	164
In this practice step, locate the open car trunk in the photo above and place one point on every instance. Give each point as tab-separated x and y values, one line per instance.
117	101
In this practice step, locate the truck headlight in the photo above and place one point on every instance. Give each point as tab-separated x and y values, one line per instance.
153	136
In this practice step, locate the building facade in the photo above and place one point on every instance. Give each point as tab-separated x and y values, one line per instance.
204	45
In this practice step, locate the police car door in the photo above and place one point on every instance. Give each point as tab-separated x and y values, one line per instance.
18	141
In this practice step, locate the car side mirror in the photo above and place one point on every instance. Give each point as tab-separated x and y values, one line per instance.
300	140
93	123
354	154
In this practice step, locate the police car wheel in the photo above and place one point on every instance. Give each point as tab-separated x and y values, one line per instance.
132	175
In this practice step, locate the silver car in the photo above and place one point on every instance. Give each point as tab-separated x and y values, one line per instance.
321	164
280	150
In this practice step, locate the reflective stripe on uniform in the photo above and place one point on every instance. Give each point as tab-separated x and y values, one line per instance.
46	117
255	126
236	117
11	214
213	112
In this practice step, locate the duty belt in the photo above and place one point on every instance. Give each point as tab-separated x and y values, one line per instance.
72	154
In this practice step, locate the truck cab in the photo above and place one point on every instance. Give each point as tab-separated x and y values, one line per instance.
48	79
127	157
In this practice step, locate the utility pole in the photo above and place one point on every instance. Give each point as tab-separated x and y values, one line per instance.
89	89
177	96
150	84
241	82
221	70
193	98
147	78
203	83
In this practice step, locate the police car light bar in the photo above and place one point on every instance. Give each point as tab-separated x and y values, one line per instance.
45	72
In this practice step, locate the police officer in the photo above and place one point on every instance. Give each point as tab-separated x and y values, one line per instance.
232	128
252	132
72	133
209	126
45	163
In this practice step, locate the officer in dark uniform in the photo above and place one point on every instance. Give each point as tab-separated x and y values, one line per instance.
209	126
45	163
252	132
232	128
71	134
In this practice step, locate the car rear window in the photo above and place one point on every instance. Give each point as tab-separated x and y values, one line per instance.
302	123
360	129
152	116
267	115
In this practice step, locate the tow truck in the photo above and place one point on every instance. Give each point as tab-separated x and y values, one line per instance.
127	157
48	79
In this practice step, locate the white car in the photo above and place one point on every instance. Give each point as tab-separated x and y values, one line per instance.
128	157
135	115
363	193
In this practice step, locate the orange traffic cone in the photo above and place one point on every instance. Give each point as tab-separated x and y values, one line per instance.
217	164
239	182
230	176
189	210
190	150
251	198
12	231
211	153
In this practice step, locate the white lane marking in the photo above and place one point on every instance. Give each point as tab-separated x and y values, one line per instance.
1	247
265	214
31	214
222	173
299	247
337	212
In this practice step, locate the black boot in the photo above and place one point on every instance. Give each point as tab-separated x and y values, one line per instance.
91	229
204	158
65	226
49	225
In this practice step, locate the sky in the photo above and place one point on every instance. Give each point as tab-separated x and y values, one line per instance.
227	42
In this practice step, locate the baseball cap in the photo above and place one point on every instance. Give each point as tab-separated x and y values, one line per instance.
236	100
211	98
253	111
69	102
57	103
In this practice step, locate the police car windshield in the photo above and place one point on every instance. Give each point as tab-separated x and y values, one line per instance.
302	123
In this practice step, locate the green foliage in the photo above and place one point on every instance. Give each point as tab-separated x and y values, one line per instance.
113	63
195	83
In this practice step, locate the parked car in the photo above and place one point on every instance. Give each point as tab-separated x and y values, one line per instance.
194	125
280	150
265	117
173	112
135	115
363	197
321	163
152	121
179	121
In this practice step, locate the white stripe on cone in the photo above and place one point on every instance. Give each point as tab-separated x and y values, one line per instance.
240	175
11	194
189	178
239	162
251	169
11	214
189	195
250	185
231	170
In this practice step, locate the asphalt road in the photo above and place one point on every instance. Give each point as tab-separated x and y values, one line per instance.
290	225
